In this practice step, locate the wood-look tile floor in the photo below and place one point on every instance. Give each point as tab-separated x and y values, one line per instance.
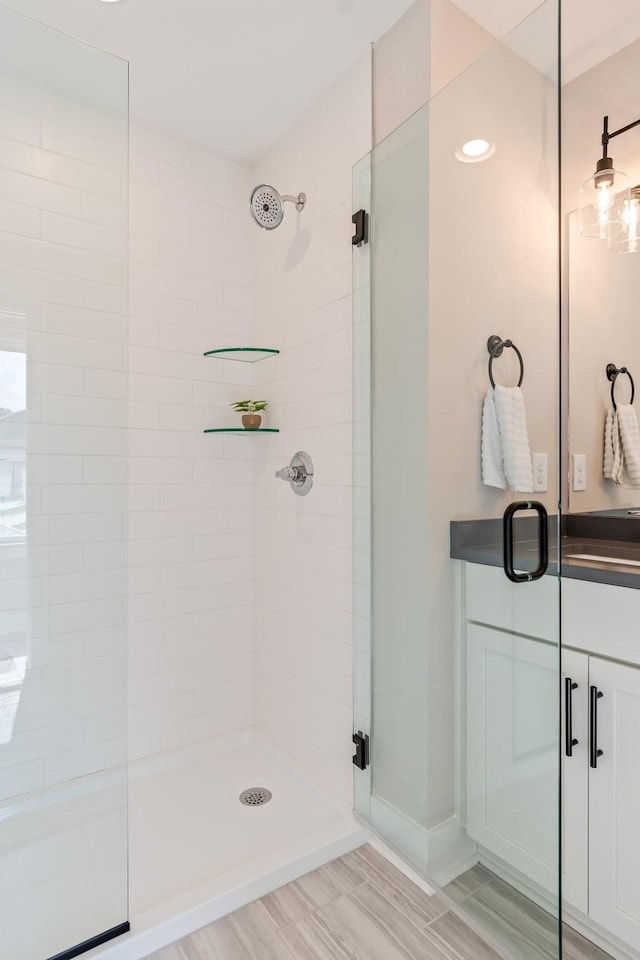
356	908
525	930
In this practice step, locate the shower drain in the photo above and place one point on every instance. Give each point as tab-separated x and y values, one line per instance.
255	796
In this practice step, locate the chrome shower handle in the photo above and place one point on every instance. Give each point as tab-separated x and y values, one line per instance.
292	474
299	473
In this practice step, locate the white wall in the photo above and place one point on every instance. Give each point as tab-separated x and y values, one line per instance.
191	542
429	46
302	305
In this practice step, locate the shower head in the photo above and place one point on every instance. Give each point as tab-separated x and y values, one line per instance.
267	206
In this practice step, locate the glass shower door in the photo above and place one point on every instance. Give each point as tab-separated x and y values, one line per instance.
63	493
457	588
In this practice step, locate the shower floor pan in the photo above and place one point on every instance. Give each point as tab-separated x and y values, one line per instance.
197	852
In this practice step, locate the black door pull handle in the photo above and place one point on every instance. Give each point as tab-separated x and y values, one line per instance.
594	753
570	741
543	541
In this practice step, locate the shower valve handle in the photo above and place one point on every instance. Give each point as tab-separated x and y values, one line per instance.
299	473
292	474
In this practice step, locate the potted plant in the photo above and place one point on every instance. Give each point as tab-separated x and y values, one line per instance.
250	410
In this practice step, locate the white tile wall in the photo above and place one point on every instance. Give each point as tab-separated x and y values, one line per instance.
191	541
302	305
63	639
214	544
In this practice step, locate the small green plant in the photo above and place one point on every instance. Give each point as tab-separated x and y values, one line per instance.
249	406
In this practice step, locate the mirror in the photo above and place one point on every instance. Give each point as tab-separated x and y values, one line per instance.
602	307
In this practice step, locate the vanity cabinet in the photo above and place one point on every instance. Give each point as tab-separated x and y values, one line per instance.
512	752
614	802
511	690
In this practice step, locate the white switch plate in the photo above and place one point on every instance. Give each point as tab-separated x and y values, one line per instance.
579	471
540	464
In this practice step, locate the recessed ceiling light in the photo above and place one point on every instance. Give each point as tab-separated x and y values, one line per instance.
474	151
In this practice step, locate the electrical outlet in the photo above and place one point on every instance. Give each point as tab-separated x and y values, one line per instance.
579	472
540	465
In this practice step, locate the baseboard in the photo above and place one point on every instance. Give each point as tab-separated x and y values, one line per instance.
442	852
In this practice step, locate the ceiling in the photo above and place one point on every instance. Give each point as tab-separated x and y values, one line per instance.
230	75
234	75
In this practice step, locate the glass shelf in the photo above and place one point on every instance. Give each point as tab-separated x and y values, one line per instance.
244	354
241	430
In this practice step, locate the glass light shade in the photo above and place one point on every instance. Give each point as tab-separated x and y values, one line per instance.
629	240
603	198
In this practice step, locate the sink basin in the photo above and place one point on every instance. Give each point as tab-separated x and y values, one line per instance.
599	558
614	553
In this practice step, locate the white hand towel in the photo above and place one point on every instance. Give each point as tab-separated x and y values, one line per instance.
610	425
514	438
492	469
630	443
506	456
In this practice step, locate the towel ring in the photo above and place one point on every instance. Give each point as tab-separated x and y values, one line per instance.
495	346
612	374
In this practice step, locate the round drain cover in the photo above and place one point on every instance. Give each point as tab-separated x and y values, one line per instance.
255	796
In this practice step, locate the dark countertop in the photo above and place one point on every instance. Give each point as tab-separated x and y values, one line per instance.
480	541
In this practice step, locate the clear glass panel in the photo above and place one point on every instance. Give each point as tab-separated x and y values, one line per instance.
63	490
464	706
600	597
362	397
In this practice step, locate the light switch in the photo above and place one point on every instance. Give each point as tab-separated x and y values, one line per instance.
579	471
540	465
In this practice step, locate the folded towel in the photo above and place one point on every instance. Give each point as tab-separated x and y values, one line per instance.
622	446
492	469
506	456
610	426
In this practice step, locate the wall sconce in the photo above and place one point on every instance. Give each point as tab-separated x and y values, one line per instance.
629	240
609	210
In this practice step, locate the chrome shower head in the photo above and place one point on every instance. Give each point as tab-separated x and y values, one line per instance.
267	206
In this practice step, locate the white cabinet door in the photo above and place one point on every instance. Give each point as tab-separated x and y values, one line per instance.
614	802
512	750
575	780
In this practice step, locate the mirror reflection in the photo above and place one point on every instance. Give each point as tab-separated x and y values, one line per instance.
602	227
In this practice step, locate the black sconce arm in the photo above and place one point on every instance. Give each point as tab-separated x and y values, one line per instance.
607	137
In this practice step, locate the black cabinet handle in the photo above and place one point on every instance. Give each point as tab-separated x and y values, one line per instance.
543	541
594	753
570	742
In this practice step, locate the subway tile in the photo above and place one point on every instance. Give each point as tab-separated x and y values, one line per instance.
102	210
20	219
22	188
84	235
80	322
47	165
17	281
53	258
108	155
39	101
109	297
18	125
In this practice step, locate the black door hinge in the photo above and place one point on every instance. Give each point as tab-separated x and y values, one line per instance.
361	756
360	220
